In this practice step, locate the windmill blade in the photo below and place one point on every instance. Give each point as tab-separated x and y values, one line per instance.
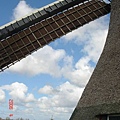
40	14
34	37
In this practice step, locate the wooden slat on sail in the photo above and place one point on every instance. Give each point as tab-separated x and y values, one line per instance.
40	14
23	43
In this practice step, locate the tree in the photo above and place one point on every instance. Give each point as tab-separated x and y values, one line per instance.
7	118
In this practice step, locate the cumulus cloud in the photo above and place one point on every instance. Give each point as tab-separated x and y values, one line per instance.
65	99
61	102
80	74
46	61
92	37
2	96
59	64
22	9
18	92
58	100
48	90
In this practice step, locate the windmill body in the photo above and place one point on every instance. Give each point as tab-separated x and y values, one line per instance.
101	97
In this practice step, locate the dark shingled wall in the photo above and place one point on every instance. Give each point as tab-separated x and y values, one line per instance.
102	93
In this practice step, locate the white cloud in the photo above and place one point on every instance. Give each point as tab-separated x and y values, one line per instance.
28	105
58	101
46	61
55	63
92	36
95	45
66	97
80	74
22	9
47	90
2	96
29	98
18	92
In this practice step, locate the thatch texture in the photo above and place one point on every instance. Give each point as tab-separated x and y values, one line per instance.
102	93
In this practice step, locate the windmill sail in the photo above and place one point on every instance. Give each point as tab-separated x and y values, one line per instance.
22	37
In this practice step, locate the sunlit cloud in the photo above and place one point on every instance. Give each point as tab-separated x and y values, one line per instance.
22	9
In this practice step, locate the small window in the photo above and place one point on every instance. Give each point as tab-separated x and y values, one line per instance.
113	117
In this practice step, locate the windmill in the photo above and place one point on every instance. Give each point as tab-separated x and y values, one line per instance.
101	97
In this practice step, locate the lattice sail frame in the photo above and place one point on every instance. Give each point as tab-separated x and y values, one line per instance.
17	46
40	14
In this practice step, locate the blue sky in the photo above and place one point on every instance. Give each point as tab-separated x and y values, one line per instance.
50	81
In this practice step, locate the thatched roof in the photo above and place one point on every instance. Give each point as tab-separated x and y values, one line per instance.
102	93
